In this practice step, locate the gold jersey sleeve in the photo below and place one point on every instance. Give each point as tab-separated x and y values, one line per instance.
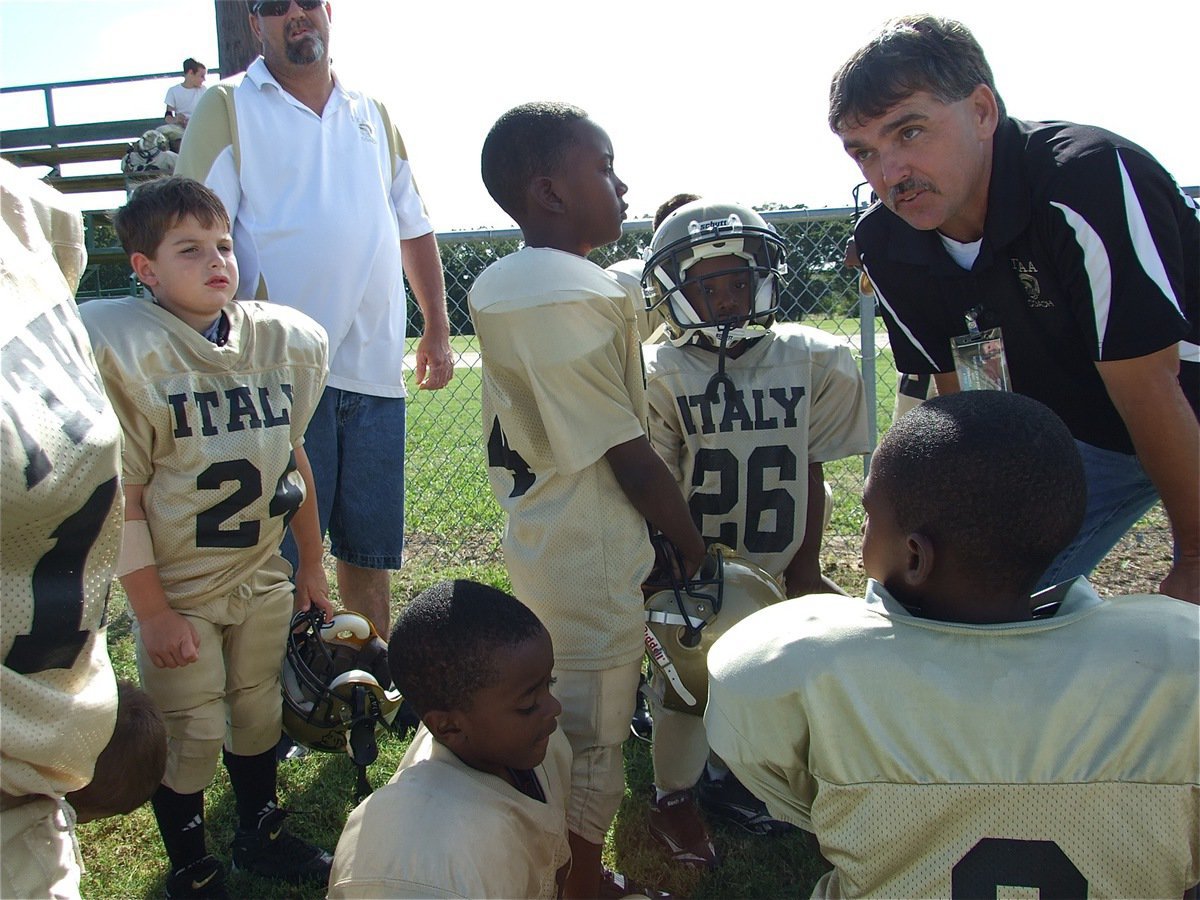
210	431
741	457
442	829
562	384
935	759
60	504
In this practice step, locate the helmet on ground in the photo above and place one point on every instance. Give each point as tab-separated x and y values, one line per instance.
702	230
684	620
336	685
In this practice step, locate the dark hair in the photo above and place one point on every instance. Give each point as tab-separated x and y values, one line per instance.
158	205
669	206
446	642
528	141
910	54
131	766
192	65
994	475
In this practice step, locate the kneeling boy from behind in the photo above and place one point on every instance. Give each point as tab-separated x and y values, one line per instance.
954	731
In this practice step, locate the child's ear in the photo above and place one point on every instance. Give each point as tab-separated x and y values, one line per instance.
544	195
444	726
143	268
919	566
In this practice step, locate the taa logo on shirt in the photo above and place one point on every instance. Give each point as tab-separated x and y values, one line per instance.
1027	275
367	131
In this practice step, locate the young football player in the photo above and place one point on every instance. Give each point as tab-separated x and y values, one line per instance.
568	456
60	530
213	397
478	806
952	732
744	413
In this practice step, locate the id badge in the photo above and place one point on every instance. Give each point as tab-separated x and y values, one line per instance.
979	361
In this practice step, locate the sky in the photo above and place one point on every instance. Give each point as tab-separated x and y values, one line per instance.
725	99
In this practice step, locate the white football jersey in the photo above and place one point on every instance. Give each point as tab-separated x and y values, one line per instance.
562	384
60	504
442	829
741	458
209	431
937	759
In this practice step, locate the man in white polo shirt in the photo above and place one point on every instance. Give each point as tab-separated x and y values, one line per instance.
324	210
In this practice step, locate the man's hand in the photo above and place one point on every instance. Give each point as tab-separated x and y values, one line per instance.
170	639
435	363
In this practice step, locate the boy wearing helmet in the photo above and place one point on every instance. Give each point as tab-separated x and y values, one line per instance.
744	414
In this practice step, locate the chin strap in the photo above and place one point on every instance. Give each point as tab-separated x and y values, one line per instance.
711	391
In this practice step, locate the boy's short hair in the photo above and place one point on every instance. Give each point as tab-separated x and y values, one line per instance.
158	205
192	65
909	54
131	766
669	206
527	141
994	475
446	642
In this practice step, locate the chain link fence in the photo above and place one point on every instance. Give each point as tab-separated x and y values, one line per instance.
450	505
451	514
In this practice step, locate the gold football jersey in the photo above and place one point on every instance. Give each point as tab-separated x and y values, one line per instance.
209	430
562	384
741	455
60	504
937	759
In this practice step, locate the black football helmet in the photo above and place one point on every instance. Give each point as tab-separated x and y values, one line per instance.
336	685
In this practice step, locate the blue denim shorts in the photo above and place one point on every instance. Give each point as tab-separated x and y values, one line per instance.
355	444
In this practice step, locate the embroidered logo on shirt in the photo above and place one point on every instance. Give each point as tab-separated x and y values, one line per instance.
367	130
1026	272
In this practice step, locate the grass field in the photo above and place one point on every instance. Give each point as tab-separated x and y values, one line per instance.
454	525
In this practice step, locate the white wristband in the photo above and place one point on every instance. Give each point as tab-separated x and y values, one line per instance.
137	550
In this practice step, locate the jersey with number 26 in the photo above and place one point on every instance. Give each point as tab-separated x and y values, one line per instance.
210	430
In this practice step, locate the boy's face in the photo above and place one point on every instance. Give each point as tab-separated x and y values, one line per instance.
720	289
510	721
193	273
590	189
195	77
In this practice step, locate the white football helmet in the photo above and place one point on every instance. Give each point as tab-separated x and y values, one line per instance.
684	620
702	230
336	685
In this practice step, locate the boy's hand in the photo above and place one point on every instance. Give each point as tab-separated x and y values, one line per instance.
312	586
170	639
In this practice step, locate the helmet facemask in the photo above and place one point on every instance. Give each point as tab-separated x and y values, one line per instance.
685	618
700	231
336	685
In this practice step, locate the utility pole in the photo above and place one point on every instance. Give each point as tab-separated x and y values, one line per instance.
236	46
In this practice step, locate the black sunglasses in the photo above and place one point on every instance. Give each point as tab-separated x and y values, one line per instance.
280	7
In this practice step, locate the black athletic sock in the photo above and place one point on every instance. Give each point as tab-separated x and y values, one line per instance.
181	824
253	781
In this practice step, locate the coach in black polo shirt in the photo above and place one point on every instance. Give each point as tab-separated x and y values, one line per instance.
1071	240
